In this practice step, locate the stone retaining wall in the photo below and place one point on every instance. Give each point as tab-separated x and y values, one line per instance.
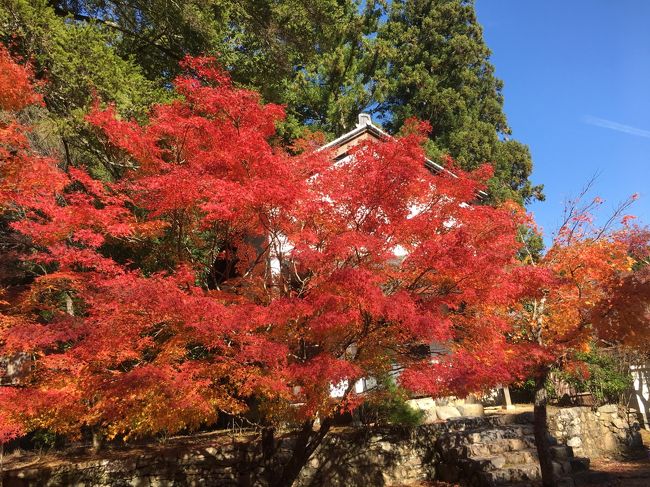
347	457
607	431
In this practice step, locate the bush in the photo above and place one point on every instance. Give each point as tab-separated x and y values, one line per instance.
389	405
600	373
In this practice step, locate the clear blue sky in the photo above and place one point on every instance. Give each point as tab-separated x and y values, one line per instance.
577	91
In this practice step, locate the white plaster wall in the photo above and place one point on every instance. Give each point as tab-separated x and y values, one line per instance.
641	377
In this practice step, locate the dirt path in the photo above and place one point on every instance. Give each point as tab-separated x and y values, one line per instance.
630	473
634	473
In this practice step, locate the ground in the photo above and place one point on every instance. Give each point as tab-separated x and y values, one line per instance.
634	473
630	473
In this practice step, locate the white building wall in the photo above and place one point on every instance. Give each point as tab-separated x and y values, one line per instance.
641	377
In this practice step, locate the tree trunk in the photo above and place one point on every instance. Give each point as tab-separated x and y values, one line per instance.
307	442
97	440
268	453
541	432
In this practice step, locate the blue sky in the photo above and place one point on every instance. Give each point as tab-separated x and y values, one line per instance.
577	91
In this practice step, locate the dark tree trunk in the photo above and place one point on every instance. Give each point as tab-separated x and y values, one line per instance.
268	453
307	442
541	432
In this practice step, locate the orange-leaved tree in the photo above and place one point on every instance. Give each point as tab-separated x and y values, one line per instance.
622	317
588	266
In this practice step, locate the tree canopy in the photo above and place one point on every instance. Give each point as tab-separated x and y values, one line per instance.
598	291
220	269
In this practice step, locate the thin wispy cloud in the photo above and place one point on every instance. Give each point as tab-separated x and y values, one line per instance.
619	127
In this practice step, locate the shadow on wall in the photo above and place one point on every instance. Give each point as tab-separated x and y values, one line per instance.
608	431
372	456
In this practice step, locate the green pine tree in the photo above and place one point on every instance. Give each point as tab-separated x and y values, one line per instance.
435	66
79	65
326	61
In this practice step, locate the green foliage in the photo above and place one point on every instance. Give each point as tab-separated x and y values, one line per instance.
307	55
533	244
512	168
595	371
79	64
389	405
603	376
326	61
606	379
43	439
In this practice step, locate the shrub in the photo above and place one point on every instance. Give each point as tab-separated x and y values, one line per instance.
389	405
601	374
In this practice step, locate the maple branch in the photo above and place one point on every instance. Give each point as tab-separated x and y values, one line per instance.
420	276
616	214
572	210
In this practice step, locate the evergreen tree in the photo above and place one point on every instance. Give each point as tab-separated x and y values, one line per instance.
79	65
435	66
326	61
307	55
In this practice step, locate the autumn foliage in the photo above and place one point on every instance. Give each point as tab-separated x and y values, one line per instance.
220	271
597	283
595	290
622	317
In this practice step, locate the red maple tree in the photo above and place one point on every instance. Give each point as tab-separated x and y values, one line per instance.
221	269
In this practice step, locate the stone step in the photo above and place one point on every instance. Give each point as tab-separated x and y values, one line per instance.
515	467
509	431
509	475
491	443
490	437
487	435
488	463
521	457
496	447
518	418
491	421
512	457
561	468
501	451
